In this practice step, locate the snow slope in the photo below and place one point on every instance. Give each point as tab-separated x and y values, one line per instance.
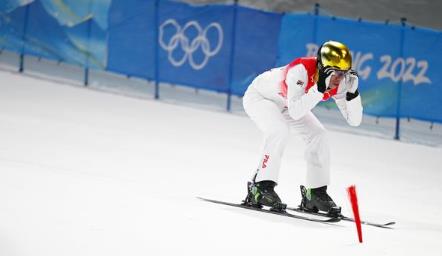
84	172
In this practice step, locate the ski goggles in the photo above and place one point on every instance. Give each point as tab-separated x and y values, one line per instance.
339	72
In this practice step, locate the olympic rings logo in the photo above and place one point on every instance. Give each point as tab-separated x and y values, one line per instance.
189	47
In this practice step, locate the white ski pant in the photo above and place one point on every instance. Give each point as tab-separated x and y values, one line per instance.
275	122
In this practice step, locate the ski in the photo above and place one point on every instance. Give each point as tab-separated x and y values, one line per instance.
387	225
280	213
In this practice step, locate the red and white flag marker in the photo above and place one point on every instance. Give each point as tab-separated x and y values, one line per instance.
354	205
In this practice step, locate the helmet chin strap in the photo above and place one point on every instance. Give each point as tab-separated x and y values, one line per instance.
318	61
327	81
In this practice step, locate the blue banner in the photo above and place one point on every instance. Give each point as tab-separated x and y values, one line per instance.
224	47
256	46
131	43
195	45
397	65
371	45
296	38
7	6
419	70
70	13
12	27
34	28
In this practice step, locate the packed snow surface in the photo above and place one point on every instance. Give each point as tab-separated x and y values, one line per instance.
84	172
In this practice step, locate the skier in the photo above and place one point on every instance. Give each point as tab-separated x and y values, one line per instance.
282	99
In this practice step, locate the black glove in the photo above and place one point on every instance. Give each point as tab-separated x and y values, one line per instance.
354	77
323	74
351	96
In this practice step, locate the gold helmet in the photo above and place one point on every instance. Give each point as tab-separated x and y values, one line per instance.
335	55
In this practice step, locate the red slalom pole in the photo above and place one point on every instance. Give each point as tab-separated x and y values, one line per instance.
354	205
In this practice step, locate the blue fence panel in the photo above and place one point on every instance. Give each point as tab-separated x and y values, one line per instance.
7	6
89	42
256	43
373	46
420	72
195	45
398	66
295	38
46	37
83	24
73	12
12	21
131	43
43	35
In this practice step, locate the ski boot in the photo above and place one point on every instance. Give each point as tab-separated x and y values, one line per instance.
317	199
261	194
